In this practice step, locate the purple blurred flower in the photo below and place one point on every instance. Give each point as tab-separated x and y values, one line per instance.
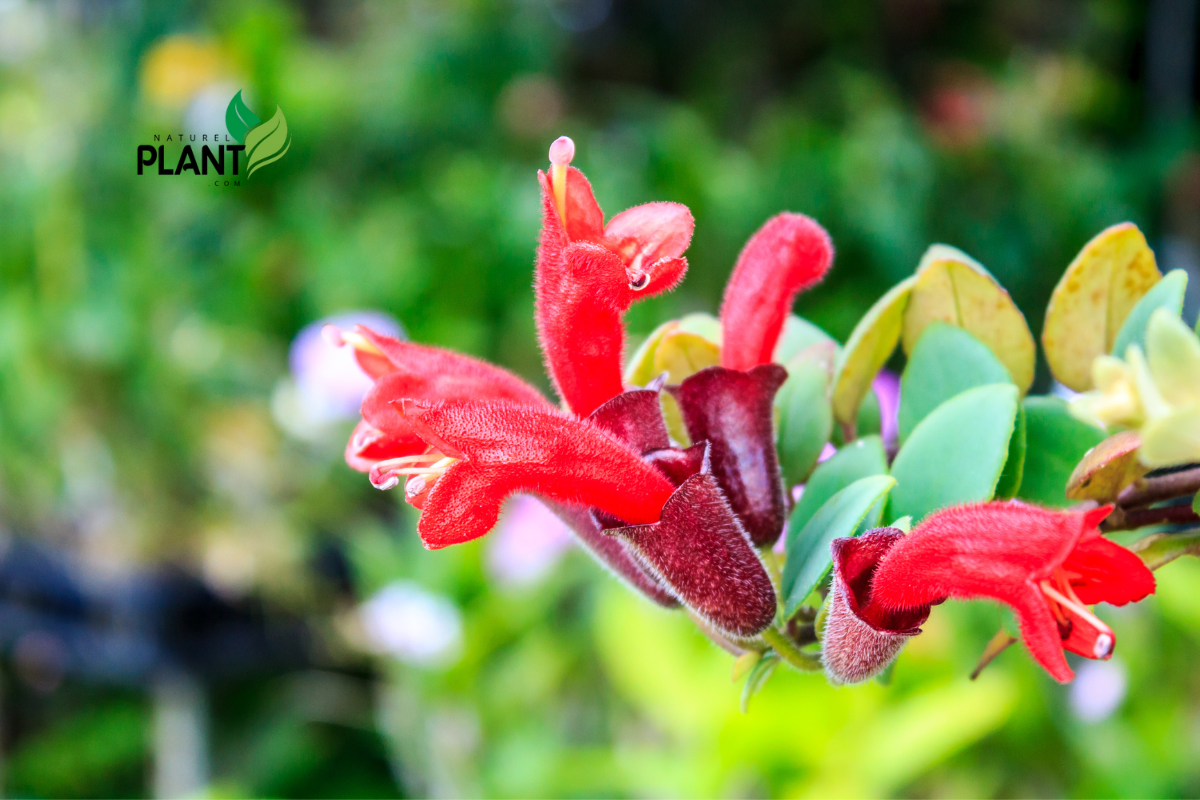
529	540
887	389
1098	690
330	386
413	625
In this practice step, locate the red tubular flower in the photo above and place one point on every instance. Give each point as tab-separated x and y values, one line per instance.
407	370
1047	565
732	411
589	273
862	638
486	451
787	255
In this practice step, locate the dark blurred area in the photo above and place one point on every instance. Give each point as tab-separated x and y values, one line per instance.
197	596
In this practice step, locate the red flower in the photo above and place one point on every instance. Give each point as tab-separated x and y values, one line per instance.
687	539
1049	566
407	370
589	273
788	254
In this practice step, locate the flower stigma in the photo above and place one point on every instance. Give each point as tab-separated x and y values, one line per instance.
337	337
562	151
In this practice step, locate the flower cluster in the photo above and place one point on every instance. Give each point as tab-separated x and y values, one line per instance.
669	471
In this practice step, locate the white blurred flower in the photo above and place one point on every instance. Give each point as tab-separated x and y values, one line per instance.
413	625
1098	690
527	543
326	384
23	30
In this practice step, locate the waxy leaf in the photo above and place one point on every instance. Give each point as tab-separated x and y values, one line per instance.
1167	293
640	369
860	459
1014	468
1160	549
808	555
946	360
957	453
870	345
702	324
681	354
805	419
1055	441
1088	307
1107	468
267	143
761	671
799	334
952	287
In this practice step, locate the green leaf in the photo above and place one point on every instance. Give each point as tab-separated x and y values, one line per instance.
953	287
862	458
798	334
808	557
1092	300
640	369
267	143
239	118
1055	441
805	419
1196	503
1160	549
758	677
1167	293
868	349
946	361
1014	467
870	416
956	454
703	324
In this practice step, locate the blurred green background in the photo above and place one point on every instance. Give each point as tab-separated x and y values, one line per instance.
153	432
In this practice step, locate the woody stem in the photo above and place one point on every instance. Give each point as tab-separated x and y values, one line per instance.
1162	487
789	652
1127	520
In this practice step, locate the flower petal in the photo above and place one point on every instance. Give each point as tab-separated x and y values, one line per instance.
1109	572
368	446
787	255
732	410
861	639
433	373
611	553
650	239
635	417
700	551
506	448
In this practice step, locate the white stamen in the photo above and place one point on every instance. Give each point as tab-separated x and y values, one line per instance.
391	483
333	335
1103	647
1082	611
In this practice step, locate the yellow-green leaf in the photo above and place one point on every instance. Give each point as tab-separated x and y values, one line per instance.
1107	468
1092	300
681	354
640	369
868	349
952	287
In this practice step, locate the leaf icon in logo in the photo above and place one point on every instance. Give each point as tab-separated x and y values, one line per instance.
266	143
239	118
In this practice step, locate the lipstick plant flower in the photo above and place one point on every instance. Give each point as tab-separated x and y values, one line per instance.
698	470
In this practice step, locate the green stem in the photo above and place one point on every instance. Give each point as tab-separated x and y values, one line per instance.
788	651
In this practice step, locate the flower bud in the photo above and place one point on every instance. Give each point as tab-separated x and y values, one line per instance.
861	639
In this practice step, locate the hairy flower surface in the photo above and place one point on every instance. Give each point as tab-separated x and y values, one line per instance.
589	273
1049	566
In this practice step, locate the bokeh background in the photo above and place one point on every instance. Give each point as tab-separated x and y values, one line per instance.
197	596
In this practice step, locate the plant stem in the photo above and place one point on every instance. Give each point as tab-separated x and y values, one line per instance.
789	652
1163	487
1122	520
